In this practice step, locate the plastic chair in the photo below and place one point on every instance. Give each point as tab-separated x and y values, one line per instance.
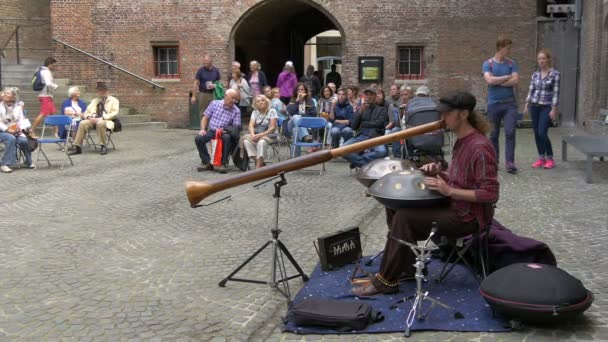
55	121
314	124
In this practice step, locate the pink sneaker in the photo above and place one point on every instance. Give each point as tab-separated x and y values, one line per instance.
549	164
538	163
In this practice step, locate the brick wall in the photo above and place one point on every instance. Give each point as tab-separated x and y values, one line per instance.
35	33
457	35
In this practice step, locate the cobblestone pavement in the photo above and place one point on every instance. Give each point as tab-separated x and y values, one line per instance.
110	250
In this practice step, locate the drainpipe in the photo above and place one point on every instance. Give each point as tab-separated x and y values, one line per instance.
578	14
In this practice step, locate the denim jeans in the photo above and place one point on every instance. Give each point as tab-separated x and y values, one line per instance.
302	132
358	159
541	123
397	144
10	149
336	133
496	113
201	144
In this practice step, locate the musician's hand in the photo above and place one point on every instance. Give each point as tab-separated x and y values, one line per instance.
430	169
438	184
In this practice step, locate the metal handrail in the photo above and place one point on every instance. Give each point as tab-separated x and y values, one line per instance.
109	63
14	33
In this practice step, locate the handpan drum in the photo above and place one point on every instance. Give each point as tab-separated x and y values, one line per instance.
378	168
405	189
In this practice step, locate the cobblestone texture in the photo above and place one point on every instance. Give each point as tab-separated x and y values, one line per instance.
109	250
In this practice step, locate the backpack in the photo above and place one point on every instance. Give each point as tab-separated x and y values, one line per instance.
420	111
37	81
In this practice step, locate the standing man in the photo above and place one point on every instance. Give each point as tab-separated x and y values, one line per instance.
45	97
502	75
220	114
333	77
204	85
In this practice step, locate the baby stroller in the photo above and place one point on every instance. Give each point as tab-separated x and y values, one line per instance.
426	148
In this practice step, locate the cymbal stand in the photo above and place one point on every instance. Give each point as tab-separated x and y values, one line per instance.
423	255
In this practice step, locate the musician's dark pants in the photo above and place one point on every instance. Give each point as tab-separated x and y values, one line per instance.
413	225
201	144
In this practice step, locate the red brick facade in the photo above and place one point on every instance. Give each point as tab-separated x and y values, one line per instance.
457	36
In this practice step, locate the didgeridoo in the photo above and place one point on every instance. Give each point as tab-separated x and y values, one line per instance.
198	191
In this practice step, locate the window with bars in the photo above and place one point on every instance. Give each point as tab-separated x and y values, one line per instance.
410	62
166	61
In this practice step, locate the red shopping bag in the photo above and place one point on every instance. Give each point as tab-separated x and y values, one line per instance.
217	157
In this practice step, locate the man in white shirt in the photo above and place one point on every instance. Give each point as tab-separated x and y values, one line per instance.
45	97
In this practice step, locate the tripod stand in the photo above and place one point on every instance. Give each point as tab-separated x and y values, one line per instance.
423	254
278	251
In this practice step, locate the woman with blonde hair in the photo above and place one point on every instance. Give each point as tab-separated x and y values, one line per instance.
74	107
256	78
262	129
541	102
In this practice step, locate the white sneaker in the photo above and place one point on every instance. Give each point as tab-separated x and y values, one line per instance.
5	169
31	166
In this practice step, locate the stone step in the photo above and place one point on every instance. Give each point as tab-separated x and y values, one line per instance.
21	83
33	108
154	125
6	74
24	61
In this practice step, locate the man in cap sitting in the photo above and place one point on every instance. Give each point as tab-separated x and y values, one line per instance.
99	115
470	182
369	123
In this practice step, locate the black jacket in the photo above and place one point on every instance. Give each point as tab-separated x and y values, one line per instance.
261	79
371	121
310	111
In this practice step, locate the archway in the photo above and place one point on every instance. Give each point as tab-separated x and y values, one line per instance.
276	31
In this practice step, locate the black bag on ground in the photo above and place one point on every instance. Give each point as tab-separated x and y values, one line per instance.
335	314
241	163
117	125
535	293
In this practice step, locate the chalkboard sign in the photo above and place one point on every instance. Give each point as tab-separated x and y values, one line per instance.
371	69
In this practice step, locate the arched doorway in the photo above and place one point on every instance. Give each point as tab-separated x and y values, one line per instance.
275	31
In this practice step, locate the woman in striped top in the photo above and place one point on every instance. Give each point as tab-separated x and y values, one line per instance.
542	101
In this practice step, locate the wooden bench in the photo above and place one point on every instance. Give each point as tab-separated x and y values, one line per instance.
592	146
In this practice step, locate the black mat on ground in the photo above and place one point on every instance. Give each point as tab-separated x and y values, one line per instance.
459	290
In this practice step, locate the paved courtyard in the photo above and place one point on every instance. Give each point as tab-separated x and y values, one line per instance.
110	249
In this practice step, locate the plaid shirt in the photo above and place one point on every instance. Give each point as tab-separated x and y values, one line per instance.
474	167
544	91
219	116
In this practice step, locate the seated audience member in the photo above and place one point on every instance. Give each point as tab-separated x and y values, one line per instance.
73	106
369	123
422	100
470	182
394	121
407	93
301	105
325	102
11	134
278	105
221	114
267	91
262	130
99	115
341	117
352	93
334	89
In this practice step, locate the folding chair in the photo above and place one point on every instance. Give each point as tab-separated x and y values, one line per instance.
475	244
309	123
55	121
109	141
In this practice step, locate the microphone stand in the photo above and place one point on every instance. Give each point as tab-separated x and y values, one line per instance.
278	251
423	255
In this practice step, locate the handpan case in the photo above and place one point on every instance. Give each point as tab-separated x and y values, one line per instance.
535	293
